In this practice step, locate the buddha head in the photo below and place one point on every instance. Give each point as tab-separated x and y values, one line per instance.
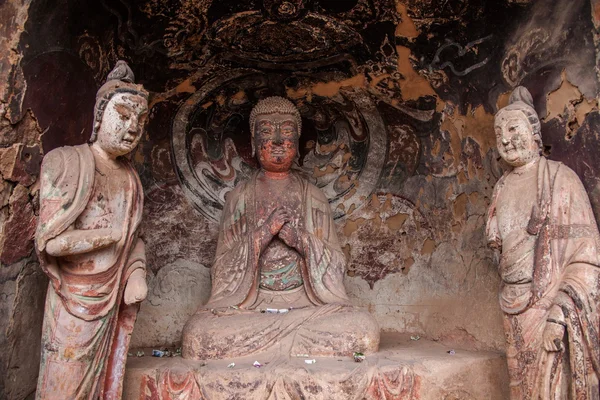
518	130
275	125
120	112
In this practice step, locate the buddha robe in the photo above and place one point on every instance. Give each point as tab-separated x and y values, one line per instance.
321	321
87	326
552	260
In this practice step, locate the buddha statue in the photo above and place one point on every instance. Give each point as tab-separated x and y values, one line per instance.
541	221
277	279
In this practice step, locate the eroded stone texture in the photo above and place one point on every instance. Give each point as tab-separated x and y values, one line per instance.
19	228
22	288
173	297
25	329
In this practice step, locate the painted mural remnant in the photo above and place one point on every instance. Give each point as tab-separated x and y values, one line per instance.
278	249
88	243
541	221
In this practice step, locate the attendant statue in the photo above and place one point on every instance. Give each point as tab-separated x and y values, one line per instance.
541	221
88	244
277	279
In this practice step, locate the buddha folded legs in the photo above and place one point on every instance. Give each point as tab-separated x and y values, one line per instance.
322	331
278	249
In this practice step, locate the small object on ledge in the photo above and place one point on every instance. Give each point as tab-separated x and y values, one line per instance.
231	365
311	361
276	310
451	352
140	353
359	357
415	337
159	353
257	364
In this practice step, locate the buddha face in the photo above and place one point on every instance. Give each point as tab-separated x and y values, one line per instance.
122	124
514	138
276	141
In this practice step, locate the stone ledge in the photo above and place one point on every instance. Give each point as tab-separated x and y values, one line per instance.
402	369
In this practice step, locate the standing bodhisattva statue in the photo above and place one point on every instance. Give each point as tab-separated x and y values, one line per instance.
277	279
88	244
541	220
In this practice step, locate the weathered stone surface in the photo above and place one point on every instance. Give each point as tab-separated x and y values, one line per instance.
174	294
5	192
404	369
17	236
14	14
24	331
20	163
192	238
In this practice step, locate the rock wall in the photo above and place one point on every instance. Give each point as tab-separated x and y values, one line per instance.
397	100
22	284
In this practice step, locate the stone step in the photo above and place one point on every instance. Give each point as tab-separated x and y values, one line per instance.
403	369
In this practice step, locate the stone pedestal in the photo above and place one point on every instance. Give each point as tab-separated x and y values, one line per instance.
403	369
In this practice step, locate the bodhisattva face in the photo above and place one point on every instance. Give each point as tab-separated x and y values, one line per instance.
514	138
122	124
276	141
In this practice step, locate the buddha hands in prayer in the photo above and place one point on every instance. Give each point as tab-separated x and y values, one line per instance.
280	224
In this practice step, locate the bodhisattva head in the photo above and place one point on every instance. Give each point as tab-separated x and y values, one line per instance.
518	130
275	124
120	113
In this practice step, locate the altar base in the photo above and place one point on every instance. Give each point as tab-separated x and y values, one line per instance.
403	369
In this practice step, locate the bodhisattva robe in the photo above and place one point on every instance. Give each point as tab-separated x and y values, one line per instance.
553	260
87	326
322	322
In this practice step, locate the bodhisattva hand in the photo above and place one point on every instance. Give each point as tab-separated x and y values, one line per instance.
554	330
290	235
136	288
73	241
276	220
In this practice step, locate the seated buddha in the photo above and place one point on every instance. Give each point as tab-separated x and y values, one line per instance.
277	279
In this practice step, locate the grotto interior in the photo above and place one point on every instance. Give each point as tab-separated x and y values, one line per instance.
397	99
